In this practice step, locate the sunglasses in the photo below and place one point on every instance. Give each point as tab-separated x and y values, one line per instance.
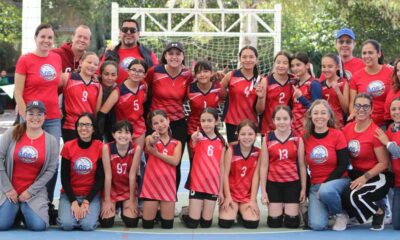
347	42
129	29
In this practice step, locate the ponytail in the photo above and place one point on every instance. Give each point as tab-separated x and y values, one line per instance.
19	131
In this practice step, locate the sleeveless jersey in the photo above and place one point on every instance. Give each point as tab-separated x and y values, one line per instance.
241	173
332	98
159	181
282	158
79	97
198	101
205	173
298	110
130	107
394	136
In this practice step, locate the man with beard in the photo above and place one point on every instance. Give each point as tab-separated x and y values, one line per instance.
72	52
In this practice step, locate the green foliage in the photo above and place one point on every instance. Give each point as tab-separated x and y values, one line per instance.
10	22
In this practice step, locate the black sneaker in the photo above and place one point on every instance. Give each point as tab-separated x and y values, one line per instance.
378	223
53	214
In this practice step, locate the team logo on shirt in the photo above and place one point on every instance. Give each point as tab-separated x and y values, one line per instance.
348	74
354	148
28	154
83	166
48	72
125	63
319	154
376	88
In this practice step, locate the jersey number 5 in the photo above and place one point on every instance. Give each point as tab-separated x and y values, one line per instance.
136	104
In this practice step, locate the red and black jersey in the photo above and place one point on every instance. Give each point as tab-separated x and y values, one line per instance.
283	166
332	98
168	93
29	157
199	100
79	97
83	165
205	173
242	99
321	154
361	146
395	136
120	168
277	94
241	173
130	107
159	181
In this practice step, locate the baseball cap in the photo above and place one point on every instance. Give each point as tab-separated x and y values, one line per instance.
176	45
36	104
345	31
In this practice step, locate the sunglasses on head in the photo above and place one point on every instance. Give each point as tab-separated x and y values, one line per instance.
130	29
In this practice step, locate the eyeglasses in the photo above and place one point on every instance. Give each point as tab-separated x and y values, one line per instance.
137	71
31	114
364	107
347	42
130	29
85	125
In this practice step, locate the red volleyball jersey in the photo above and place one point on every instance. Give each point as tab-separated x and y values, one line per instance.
321	154
159	181
29	157
277	94
83	165
350	68
43	76
395	136
242	99
130	107
377	85
241	173
332	98
205	172
198	101
389	98
298	110
79	97
361	146
120	168
282	158
168	93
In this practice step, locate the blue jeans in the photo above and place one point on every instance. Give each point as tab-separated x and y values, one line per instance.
329	202
67	221
396	208
9	210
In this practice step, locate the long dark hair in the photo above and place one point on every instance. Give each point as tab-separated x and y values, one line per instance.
302	57
255	69
395	78
92	119
19	131
340	73
43	26
377	47
214	113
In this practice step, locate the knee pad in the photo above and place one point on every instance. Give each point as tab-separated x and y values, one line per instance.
167	224
130	222
292	221
190	222
275	222
147	224
250	224
205	223
223	223
106	222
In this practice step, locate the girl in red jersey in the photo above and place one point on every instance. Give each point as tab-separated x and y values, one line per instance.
394	90
168	84
392	142
278	90
374	79
327	158
81	94
283	172
335	89
305	91
128	100
82	177
121	161
241	179
28	160
369	160
242	86
108	77
207	171
159	183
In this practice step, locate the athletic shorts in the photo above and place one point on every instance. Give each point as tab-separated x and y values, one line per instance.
285	192
202	196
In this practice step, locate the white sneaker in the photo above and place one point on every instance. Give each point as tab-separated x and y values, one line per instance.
340	222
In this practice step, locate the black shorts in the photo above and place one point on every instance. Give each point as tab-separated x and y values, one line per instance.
202	196
286	192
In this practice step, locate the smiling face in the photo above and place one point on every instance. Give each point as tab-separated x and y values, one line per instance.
363	109
248	59
34	118
329	67
109	75
298	68
122	136
320	116
136	73
44	40
345	46
85	128
370	55
89	65
281	65
208	123
174	57
282	120
81	39
203	76
395	111
247	136
160	124
129	38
